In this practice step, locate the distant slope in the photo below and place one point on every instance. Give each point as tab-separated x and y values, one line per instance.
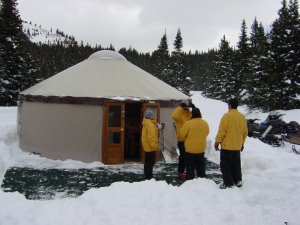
39	35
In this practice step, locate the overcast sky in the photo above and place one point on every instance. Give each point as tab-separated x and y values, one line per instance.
141	23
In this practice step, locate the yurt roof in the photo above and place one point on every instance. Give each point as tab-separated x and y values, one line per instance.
105	74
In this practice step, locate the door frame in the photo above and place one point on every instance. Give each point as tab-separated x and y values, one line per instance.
113	153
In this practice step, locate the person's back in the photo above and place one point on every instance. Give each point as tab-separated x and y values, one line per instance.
232	130
193	133
197	130
231	135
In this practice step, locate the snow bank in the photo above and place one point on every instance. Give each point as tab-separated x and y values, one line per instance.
269	195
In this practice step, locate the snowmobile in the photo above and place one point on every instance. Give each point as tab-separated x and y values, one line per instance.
273	131
278	125
253	128
263	133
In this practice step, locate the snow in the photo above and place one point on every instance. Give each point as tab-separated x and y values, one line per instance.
270	194
43	36
120	98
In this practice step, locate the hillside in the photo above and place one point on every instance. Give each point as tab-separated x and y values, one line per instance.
37	34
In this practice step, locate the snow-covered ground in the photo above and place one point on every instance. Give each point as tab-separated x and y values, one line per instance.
270	194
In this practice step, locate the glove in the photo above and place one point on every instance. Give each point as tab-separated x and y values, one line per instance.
160	126
217	146
242	148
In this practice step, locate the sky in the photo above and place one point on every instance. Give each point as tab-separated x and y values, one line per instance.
141	24
269	196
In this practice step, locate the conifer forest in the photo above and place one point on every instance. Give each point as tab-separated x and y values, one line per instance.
262	70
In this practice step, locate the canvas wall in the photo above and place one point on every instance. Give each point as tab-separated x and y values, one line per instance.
61	131
170	141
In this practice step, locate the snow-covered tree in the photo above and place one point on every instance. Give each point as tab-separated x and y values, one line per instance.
242	65
17	68
161	60
179	74
283	52
293	56
259	78
222	81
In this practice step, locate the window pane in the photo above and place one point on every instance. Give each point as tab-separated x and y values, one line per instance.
114	138
114	116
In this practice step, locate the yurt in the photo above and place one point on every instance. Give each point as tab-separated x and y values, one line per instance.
93	111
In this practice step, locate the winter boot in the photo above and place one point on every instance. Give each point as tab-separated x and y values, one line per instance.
223	186
239	184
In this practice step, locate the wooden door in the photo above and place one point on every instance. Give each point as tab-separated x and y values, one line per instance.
113	133
156	109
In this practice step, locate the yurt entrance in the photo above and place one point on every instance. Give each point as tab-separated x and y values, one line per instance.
133	122
122	123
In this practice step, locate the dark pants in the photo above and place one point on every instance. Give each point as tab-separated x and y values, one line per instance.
181	161
231	167
192	162
149	163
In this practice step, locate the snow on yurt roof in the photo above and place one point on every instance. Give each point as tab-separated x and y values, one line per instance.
105	74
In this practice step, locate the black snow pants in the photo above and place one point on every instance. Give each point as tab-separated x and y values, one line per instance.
194	162
231	167
149	163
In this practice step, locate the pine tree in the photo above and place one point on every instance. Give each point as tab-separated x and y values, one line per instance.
222	81
18	65
194	68
2	42
161	60
281	54
206	68
259	78
293	56
242	62
179	74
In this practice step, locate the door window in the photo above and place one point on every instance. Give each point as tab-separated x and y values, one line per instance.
114	119
114	137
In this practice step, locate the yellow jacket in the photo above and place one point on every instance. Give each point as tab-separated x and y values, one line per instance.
194	133
180	116
232	130
149	135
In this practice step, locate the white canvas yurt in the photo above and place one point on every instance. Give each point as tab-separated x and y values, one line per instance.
93	111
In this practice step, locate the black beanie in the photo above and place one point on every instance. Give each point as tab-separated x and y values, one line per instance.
196	113
233	103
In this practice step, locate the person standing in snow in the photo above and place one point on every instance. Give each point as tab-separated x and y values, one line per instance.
231	135
193	133
149	142
180	115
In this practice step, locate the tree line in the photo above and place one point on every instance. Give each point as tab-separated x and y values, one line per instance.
262	70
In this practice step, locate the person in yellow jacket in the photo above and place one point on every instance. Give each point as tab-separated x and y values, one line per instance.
194	133
149	142
180	115
231	135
